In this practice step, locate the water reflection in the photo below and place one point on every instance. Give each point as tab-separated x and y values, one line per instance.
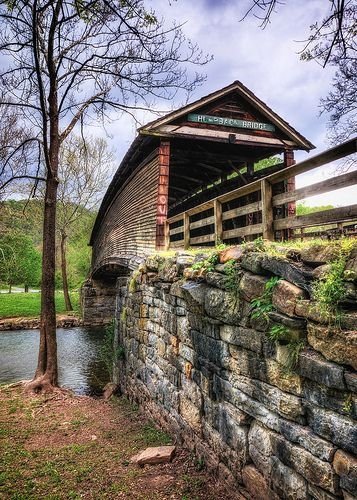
79	366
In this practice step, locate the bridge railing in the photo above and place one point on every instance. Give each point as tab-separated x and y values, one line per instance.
264	208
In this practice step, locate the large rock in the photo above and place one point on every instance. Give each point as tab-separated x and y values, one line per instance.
286	296
252	261
286	482
243	337
252	286
317	255
212	350
315	367
351	265
345	466
256	484
340	430
221	305
303	436
298	275
260	447
154	455
332	399
311	468
234	253
194	294
287	405
287	382
335	344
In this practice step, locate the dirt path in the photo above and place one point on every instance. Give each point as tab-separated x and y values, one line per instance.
71	447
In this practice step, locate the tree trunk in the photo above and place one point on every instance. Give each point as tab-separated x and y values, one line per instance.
26	288
10	287
67	299
46	375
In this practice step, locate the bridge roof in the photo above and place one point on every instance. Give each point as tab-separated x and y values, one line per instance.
174	125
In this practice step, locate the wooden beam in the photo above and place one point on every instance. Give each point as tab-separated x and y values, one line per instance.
339	182
256	206
267	210
339	214
243	231
333	154
202	223
202	239
186	230
176	230
218	221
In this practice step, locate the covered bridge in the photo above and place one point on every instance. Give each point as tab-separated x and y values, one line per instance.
188	159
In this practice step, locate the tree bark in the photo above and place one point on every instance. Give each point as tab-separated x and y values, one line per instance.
67	299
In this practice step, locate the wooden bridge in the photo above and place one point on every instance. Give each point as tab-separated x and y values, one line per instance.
195	178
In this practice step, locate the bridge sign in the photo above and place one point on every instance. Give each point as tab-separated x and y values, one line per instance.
230	122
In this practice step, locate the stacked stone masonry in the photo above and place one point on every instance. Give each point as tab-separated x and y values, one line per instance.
200	362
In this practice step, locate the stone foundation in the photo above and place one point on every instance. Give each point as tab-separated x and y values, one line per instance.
198	357
98	302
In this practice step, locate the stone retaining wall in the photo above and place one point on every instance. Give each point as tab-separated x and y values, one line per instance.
62	321
98	302
198	358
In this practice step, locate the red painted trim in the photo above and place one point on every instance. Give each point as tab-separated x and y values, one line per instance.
163	193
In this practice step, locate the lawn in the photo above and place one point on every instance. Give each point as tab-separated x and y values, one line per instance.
60	447
22	304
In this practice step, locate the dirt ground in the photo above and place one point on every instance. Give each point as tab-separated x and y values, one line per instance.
69	447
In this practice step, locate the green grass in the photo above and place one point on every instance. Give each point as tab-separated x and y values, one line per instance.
13	305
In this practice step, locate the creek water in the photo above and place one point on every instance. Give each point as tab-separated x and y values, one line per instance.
80	368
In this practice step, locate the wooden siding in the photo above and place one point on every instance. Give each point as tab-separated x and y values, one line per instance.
129	226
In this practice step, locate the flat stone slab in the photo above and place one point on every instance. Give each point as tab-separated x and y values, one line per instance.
154	455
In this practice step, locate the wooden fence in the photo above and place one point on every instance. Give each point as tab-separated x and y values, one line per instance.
264	208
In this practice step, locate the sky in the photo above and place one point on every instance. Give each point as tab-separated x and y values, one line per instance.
266	60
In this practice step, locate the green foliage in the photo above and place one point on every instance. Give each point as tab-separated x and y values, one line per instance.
348	404
20	261
133	283
206	265
123	315
266	163
15	219
108	353
277	332
294	348
330	289
302	209
262	305
231	270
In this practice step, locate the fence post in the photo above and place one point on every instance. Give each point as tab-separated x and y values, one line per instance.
218	226
167	235
267	210
186	230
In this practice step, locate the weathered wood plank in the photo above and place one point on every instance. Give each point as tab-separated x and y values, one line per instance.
218	226
335	153
333	215
267	210
202	239
246	209
177	230
175	218
338	182
203	222
186	230
177	244
243	231
200	208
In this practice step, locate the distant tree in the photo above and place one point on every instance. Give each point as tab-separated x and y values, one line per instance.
66	61
302	209
20	262
332	41
85	168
